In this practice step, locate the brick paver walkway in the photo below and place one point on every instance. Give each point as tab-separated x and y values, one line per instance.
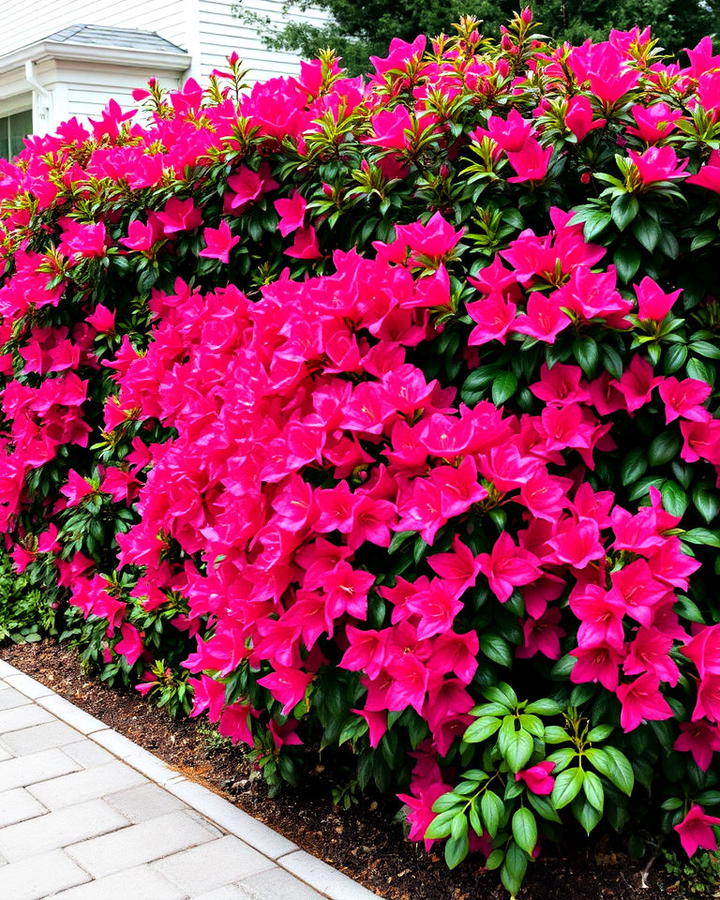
86	814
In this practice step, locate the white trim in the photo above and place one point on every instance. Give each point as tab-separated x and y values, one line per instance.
161	61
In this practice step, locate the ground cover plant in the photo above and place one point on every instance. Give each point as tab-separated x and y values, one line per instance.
380	415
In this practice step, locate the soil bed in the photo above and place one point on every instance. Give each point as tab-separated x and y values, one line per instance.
361	841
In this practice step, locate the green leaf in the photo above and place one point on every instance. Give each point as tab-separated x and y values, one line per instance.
611	360
600	732
634	465
524	829
562	757
512	873
624	210
595	224
497	649
490	709
543	807
504	386
567	787
663	448
492	808
585	813
519	750
592	786
481	729
627	260
705	348
494	861
447	801
563	667
501	693
700	370
675	356
456	849
544	707
399	539
674	498
554	734
614	765
647	231
441	825
585	351
475	820
702	239
532	724
706	501
702	536
689	610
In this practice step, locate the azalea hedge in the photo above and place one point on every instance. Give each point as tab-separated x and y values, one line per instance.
378	415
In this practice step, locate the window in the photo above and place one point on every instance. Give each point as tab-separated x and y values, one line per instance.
12	131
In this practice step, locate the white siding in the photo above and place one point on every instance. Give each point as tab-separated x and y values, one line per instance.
27	21
221	33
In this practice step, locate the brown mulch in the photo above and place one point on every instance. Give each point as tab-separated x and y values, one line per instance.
361	841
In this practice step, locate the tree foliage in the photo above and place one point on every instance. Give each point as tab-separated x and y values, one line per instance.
359	30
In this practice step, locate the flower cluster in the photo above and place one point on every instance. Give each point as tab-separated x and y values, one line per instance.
332	469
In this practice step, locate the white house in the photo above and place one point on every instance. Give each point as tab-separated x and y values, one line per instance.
64	58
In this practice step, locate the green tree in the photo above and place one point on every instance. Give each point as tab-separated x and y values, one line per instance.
359	30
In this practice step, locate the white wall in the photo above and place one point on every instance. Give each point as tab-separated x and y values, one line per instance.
221	32
27	21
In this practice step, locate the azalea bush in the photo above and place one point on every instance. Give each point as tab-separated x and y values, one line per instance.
378	415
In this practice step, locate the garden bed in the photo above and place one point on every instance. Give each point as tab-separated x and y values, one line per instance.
357	841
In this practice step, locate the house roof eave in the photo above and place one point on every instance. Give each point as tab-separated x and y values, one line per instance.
158	61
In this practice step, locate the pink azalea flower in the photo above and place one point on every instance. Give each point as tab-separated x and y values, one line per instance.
538	778
494	316
208	694
435	239
421	814
142	237
510	134
83	240
542	635
246	186
393	129
76	488
658	164
131	645
287	686
641	701
219	242
653	303
601	616
637	383
684	398
436	607
700	738
531	162
179	215
696	830
654	122
598	662
102	319
579	117
544	319
235	723
650	652
291	212
507	567
709	174
305	245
